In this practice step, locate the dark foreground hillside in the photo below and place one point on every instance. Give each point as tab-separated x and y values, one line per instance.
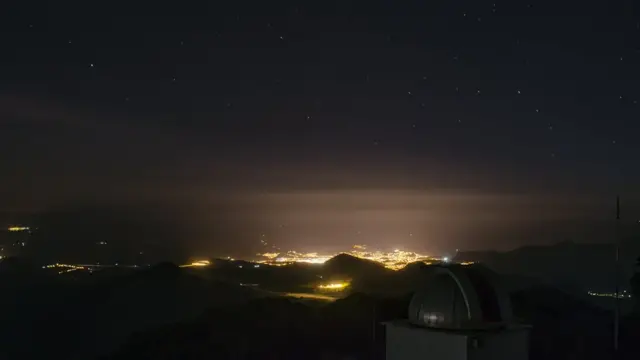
563	328
166	312
52	316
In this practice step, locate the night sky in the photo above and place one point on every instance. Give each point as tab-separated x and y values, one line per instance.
429	125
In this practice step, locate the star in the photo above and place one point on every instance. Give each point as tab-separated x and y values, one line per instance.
519	92
91	65
537	110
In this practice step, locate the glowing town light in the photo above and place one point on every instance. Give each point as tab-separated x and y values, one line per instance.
445	259
333	286
394	260
199	263
18	228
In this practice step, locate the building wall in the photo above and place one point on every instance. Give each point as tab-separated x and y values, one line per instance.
504	345
406	342
410	343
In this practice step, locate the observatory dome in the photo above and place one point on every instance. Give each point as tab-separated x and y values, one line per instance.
461	297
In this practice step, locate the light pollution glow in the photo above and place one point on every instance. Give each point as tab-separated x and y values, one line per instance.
394	260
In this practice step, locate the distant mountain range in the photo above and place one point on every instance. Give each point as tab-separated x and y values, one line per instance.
573	267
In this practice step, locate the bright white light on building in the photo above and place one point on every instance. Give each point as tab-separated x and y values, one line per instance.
445	259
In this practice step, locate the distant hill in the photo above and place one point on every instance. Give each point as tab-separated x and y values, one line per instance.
573	267
351	266
365	275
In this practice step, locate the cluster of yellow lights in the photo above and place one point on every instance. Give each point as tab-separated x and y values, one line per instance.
394	260
279	259
65	267
333	286
18	228
199	263
622	295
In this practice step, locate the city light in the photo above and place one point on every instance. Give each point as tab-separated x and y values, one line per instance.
336	286
622	295
199	263
64	268
394	260
18	228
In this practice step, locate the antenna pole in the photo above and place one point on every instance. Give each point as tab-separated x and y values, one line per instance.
616	319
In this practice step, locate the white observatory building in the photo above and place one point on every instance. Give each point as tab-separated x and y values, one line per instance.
462	313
